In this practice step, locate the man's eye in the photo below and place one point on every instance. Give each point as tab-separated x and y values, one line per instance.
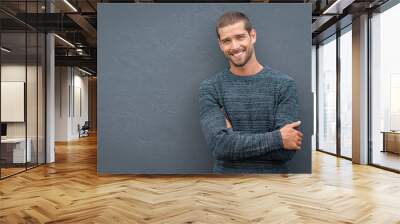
226	41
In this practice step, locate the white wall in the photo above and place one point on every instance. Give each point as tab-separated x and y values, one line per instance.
9	73
62	81
79	108
71	94
16	72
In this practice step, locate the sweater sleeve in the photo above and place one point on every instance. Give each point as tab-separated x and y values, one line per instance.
287	108
225	143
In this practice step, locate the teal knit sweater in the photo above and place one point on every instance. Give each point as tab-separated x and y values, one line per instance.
257	107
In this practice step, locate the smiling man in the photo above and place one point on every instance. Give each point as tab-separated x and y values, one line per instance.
249	111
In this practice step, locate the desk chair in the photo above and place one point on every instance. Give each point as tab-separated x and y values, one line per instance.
84	130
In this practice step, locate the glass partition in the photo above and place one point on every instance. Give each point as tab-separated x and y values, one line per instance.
327	95
14	153
385	88
346	92
22	88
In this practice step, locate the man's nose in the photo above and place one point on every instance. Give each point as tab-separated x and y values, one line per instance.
235	44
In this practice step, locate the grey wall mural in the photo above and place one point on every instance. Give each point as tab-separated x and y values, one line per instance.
150	67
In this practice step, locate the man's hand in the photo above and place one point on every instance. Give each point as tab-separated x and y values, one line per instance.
227	122
291	138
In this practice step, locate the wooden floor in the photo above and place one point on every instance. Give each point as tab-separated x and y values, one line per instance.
70	191
387	159
5	172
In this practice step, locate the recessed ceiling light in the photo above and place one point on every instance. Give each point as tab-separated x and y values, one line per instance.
337	7
84	71
64	40
70	5
5	49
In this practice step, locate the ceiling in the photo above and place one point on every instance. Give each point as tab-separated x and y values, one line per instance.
76	22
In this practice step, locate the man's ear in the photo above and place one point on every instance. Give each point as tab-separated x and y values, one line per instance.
253	35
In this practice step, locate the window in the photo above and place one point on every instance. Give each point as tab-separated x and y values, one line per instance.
327	95
385	88
346	92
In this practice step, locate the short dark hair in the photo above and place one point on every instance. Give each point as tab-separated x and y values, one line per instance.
232	17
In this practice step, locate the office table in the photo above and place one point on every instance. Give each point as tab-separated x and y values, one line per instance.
391	141
15	148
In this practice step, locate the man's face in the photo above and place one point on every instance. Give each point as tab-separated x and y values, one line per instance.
236	43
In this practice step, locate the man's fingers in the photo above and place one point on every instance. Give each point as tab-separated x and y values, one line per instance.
298	133
300	137
296	147
295	124
293	136
298	144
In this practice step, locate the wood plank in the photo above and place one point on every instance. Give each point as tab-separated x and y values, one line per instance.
70	191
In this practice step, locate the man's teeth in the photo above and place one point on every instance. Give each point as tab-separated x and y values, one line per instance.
238	54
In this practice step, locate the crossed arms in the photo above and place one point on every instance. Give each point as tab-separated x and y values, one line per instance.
227	144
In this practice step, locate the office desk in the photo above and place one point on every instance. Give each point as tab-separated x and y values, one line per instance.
391	141
15	148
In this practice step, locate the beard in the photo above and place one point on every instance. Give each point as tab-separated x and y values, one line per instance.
248	54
